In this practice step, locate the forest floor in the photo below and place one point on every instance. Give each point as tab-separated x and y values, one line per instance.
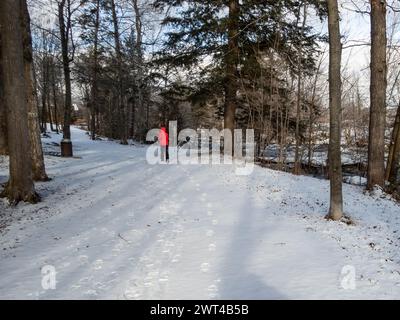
114	226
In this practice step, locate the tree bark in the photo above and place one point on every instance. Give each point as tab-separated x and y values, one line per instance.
54	85
50	112
297	160
335	163
44	92
3	113
392	167
142	114
121	101
20	186
94	91
65	28
376	144
38	167
231	63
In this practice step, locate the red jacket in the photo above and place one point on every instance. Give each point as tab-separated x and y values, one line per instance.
163	137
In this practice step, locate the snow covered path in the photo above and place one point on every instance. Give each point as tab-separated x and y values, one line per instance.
116	227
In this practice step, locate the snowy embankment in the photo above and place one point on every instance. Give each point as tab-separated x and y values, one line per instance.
116	227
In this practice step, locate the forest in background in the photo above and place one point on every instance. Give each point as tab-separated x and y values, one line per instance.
122	67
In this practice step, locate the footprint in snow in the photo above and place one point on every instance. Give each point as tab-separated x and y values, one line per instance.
213	291
132	294
83	259
91	293
210	233
205	267
98	264
164	277
175	259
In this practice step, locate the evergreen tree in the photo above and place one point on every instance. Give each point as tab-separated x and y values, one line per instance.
231	34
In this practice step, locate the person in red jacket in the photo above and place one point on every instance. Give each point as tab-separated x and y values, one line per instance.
163	139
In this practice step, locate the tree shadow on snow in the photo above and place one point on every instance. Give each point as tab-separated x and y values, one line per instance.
237	282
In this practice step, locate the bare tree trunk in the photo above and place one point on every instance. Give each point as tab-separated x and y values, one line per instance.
20	186
55	98
65	30
335	163
3	113
392	167
36	97
121	101
393	177
311	115
44	93
297	160
142	116
38	167
231	62
376	145
131	118
94	91
49	111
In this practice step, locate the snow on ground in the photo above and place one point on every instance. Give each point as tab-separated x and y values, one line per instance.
116	227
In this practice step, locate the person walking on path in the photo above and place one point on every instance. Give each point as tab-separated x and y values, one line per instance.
163	139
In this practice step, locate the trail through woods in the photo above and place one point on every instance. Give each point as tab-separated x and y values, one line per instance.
114	226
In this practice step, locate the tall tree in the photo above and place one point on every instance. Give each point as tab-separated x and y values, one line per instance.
335	163
44	67
231	65
20	186
38	167
3	113
55	95
90	21
376	144
297	160
120	75
142	118
393	166
95	69
65	24
233	34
